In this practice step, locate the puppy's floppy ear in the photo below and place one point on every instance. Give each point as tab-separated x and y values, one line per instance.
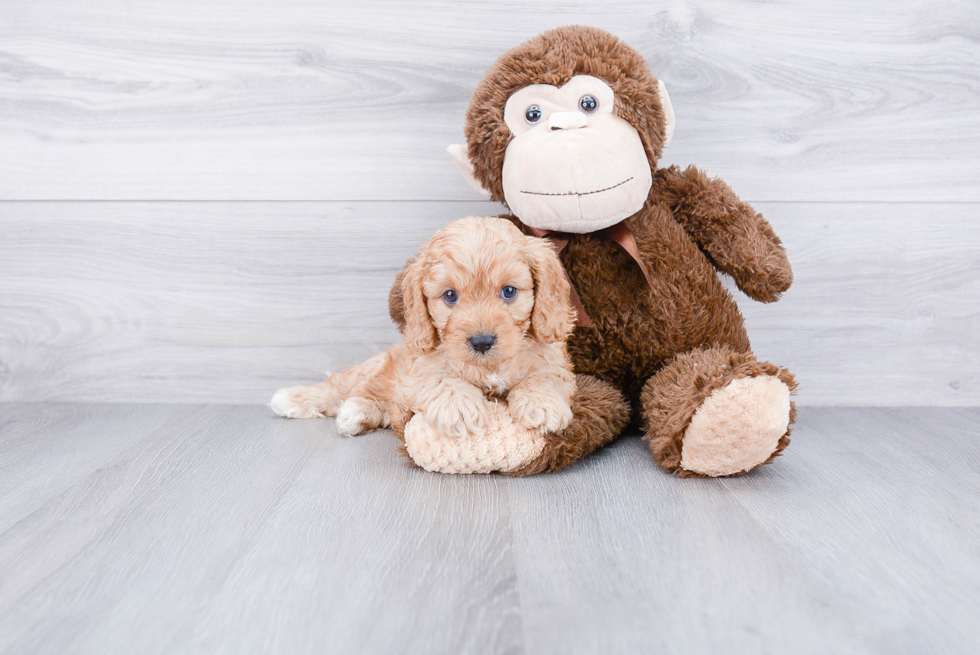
420	334
553	316
396	301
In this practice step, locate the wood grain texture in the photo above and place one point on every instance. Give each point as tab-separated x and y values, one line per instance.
226	302
307	100
171	528
222	530
856	523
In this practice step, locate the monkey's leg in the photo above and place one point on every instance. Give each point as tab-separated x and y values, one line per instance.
717	412
599	415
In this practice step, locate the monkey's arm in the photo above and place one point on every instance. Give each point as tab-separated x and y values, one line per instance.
735	237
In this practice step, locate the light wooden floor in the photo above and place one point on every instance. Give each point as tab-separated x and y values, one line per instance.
194	528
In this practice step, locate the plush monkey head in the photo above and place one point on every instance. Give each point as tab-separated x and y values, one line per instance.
566	130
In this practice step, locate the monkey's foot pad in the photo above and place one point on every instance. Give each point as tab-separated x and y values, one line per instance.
502	446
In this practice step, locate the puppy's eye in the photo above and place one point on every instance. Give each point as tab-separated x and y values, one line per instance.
508	293
450	297
588	104
533	114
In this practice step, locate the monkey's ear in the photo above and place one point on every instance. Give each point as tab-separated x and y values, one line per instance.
668	112
462	160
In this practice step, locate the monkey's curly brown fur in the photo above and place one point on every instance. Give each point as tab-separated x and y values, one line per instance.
668	344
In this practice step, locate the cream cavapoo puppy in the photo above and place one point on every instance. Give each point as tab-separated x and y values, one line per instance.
487	313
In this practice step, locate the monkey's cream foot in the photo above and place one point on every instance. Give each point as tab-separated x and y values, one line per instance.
717	412
737	428
503	445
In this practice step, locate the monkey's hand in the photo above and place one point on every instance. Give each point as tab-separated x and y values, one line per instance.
735	237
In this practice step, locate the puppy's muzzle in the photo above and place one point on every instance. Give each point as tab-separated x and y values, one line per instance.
481	343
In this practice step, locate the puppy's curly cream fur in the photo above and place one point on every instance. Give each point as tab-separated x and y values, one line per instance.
437	372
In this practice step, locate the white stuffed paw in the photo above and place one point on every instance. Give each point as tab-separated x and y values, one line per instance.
737	427
503	445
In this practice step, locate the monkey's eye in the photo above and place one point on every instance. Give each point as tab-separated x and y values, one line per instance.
533	114
588	104
450	297
508	293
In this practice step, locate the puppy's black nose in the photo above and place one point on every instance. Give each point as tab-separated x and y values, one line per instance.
481	343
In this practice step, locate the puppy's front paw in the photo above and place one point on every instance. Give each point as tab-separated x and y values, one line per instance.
539	411
457	412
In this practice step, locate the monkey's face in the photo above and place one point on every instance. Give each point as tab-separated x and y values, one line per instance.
572	165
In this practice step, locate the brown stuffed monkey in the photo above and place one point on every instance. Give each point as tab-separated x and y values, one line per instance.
566	130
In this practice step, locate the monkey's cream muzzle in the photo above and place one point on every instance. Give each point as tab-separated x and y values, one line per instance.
578	179
574	167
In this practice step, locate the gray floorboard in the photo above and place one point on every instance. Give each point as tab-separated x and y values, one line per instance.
195	528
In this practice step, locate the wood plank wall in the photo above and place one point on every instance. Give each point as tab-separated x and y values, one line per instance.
203	201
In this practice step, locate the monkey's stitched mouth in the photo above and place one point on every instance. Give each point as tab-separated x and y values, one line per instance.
573	193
